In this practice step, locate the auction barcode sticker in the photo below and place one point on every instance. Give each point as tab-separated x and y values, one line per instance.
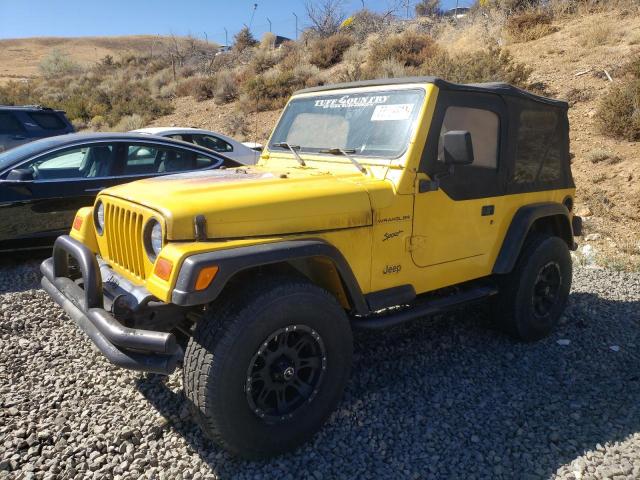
400	111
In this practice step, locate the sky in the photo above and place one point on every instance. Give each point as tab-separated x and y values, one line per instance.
201	18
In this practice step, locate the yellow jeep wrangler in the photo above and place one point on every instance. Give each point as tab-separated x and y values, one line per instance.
374	203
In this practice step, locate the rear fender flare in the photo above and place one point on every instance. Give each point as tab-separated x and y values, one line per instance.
521	225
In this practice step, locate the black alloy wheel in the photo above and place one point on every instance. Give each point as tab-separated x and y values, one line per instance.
546	289
285	373
533	296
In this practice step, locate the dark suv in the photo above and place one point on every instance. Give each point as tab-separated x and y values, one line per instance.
20	125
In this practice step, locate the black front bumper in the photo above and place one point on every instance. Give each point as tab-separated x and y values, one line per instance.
131	348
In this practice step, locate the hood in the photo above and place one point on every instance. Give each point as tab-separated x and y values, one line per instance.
254	201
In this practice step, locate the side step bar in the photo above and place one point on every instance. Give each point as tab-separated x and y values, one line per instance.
427	308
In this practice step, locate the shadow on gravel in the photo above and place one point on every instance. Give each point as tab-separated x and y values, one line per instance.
451	398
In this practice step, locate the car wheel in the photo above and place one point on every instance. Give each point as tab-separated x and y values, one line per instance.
533	296
266	366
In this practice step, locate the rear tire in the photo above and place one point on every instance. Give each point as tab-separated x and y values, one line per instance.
533	296
283	336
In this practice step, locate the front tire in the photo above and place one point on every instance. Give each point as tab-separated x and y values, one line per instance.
533	296
266	366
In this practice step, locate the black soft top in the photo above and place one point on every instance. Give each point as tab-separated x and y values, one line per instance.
498	88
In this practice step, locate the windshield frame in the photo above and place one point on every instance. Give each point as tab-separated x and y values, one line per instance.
376	159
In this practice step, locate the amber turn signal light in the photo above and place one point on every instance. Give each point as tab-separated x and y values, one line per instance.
163	269
206	276
77	222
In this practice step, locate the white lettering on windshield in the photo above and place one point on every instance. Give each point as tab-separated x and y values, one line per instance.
351	102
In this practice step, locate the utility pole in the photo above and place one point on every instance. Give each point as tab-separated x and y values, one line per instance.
457	9
269	24
226	37
406	4
294	14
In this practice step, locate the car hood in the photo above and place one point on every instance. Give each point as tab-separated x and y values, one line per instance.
254	201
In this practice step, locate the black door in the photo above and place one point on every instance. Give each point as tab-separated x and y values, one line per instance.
34	211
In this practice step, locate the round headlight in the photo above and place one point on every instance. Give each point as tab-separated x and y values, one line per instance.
156	238
100	217
153	238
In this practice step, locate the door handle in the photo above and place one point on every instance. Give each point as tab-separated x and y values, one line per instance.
488	210
93	190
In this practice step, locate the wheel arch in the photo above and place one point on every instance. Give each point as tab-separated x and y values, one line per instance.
322	263
549	217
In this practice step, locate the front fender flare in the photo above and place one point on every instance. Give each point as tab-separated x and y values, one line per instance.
234	260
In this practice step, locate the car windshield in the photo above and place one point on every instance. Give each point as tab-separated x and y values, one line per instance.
372	124
23	152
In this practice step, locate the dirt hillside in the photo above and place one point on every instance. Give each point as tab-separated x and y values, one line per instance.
19	58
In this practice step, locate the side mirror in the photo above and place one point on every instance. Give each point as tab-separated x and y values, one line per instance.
458	148
20	175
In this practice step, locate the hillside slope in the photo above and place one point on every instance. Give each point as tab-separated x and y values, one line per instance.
19	58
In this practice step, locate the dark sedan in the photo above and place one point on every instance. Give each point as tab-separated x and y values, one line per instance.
44	183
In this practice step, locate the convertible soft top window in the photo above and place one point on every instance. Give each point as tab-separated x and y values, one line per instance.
374	124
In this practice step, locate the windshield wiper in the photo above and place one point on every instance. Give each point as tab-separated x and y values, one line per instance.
294	149
346	152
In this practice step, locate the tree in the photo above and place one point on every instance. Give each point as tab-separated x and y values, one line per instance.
428	8
244	39
325	16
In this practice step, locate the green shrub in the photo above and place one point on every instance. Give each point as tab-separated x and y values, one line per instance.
490	65
365	23
244	39
263	60
326	52
410	48
618	114
57	64
271	89
130	122
226	87
200	88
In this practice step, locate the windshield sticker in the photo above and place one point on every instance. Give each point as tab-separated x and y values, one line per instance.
347	101
384	113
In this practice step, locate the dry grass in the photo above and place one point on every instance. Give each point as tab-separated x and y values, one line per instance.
528	26
598	32
600	155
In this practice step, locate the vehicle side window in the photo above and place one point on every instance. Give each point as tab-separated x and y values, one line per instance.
212	143
484	126
148	159
539	147
9	124
79	162
47	121
484	116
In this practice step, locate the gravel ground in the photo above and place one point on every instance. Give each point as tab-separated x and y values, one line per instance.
443	398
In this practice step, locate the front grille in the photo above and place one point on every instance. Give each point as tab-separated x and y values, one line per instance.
123	231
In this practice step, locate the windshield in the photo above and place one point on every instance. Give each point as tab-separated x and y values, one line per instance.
373	124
